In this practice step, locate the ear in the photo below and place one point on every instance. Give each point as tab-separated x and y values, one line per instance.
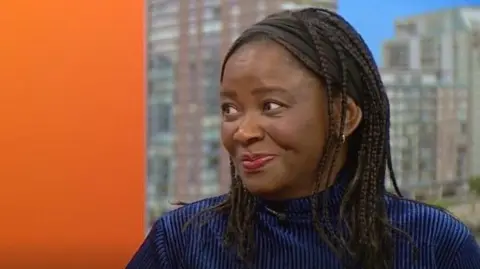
353	115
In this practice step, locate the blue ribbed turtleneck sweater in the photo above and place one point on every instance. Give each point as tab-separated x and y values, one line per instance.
443	241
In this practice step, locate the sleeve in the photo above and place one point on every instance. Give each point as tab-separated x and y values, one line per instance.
152	254
467	256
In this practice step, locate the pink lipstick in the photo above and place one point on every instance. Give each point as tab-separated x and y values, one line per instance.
252	163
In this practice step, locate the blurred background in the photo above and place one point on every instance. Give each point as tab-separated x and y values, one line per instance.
429	55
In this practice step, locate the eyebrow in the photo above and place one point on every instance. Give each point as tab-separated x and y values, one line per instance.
258	91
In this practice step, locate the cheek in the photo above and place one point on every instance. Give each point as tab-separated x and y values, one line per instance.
305	137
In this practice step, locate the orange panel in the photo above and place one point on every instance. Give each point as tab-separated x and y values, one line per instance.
72	143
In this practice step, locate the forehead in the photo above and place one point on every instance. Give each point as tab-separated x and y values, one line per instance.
265	50
264	62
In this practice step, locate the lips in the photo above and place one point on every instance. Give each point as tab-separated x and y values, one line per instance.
251	165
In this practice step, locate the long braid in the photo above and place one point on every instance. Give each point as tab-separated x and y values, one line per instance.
330	48
334	143
372	214
240	206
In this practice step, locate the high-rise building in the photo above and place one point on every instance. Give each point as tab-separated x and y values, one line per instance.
447	41
428	132
187	40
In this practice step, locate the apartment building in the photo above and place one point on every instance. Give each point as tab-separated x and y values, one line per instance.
429	132
446	43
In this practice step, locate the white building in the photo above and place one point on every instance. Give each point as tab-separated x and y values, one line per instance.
429	132
447	41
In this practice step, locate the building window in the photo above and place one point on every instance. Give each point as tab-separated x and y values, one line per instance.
159	62
212	151
159	167
211	82
216	13
398	55
159	118
461	160
428	52
408	29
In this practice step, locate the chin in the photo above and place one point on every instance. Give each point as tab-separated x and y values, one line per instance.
261	189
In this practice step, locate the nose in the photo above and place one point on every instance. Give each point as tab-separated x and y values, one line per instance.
249	131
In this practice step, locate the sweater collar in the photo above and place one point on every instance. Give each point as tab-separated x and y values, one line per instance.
330	197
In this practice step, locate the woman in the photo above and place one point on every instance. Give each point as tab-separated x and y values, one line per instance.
306	124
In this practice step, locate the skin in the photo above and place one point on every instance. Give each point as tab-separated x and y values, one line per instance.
272	105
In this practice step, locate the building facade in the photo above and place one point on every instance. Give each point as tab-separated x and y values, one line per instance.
447	41
429	132
186	43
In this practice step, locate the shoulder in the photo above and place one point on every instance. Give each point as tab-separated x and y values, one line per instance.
426	222
165	243
434	227
177	218
176	225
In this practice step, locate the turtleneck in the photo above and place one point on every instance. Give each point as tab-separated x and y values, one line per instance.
301	208
292	242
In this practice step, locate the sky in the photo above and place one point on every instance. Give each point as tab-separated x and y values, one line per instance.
374	19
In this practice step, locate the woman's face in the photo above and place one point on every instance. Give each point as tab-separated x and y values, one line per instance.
275	120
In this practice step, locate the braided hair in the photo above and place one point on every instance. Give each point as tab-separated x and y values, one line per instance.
329	46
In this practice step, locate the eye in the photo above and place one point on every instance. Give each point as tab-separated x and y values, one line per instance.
228	109
268	106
